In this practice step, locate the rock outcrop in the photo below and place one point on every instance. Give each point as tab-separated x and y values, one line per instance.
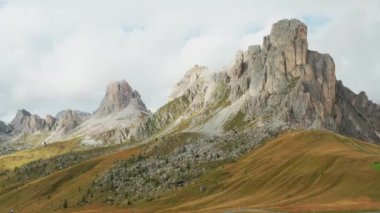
50	122
118	96
191	82
5	131
276	86
26	123
69	120
5	128
78	112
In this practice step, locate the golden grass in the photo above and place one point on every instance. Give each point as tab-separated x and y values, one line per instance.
22	157
47	194
300	171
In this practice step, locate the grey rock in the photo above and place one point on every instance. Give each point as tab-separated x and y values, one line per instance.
69	120
78	112
5	131
50	122
5	128
26	123
118	96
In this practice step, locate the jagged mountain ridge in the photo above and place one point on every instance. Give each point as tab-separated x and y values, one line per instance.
276	86
119	110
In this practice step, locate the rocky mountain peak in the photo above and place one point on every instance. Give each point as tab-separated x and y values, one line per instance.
283	71
21	115
291	37
276	86
118	96
25	122
286	33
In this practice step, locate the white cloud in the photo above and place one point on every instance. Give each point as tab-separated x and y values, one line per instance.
61	54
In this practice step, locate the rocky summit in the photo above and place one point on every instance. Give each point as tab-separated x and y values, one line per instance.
118	96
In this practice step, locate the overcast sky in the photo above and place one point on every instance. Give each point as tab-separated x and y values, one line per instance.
58	55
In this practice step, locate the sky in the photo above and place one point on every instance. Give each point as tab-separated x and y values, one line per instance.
61	54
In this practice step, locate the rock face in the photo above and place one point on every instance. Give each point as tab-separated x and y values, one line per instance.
191	82
50	122
356	115
5	128
79	113
70	119
5	131
287	80
118	96
26	123
276	86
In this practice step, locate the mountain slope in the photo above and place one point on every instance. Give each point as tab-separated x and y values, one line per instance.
298	171
47	193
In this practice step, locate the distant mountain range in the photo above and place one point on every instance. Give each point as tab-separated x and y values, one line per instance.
120	109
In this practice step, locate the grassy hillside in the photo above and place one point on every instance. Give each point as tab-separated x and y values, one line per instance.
296	172
47	194
299	171
22	157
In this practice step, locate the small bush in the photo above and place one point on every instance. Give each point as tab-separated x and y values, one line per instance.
65	204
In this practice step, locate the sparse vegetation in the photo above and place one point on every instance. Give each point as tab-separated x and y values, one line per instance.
43	167
236	123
